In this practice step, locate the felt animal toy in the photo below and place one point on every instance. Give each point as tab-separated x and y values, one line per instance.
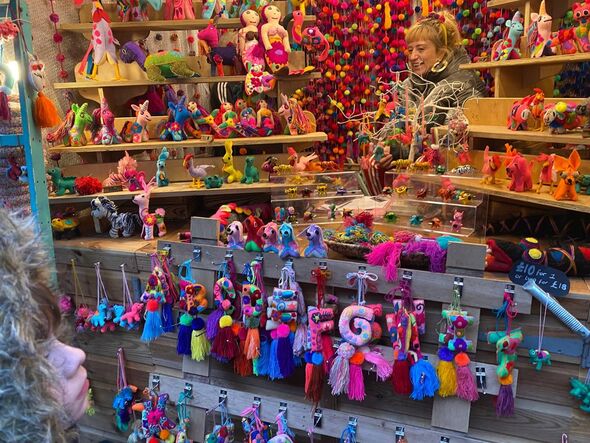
252	226
208	38
275	39
300	164
149	219
174	130
519	114
233	175
61	183
235	235
506	345
548	174
566	188
167	64
582	16
80	121
178	10
142	118
584	110
491	165
132	318
539	358
251	173
251	53
121	224
132	52
457	222
314	41
507	47
581	391
561	117
298	120
136	10
161	176
197	172
154	421
213	182
103	125
519	173
539	33
288	246
102	44
317	247
270	237
265	121
583	184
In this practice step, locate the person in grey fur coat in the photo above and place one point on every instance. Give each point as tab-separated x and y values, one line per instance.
43	385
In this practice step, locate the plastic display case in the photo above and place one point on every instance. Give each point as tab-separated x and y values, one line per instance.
432	203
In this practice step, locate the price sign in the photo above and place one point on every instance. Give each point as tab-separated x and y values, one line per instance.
550	280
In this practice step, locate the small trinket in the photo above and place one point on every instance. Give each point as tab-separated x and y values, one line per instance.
387	190
435	223
332	209
322	190
422	192
308	216
340	191
305	193
291	192
390	217
401	190
291	215
457	222
440	169
416	220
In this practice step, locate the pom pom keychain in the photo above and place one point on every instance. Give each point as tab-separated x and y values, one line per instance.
224	346
102	319
153	297
125	395
45	113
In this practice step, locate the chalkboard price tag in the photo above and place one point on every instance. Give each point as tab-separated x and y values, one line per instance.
550	280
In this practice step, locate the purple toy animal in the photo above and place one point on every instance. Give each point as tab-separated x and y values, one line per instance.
317	247
457	222
235	235
103	126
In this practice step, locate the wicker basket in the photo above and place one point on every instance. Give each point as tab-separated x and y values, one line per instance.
349	250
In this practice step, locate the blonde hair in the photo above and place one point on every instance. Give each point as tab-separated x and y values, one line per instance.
440	28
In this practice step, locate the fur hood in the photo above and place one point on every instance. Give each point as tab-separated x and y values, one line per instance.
29	411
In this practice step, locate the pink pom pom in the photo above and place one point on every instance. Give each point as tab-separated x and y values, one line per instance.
225	304
54	17
283	331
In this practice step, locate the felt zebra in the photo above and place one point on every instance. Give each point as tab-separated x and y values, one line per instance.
121	224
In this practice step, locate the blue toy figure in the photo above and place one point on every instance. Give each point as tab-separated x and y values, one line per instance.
317	247
174	130
161	177
288	246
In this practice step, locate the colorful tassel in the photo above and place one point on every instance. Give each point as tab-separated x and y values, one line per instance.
381	366
446	373
252	345
213	323
225	347
274	369
424	380
242	365
45	113
300	340
167	317
327	351
340	371
183	347
152	328
314	376
505	400
400	378
356	383
262	363
200	346
285	351
466	386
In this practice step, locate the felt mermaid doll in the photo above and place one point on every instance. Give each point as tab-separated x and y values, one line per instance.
275	39
251	51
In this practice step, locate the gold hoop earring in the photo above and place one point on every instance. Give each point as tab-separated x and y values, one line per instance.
439	66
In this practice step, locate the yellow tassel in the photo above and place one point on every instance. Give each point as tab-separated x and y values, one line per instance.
425	8
45	113
387	21
200	346
447	377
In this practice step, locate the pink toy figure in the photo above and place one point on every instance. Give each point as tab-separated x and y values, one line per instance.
208	38
548	174
297	30
102	43
103	121
457	222
519	114
270	237
149	219
179	10
300	164
235	235
519	172
142	118
132	318
249	48
275	39
582	16
313	41
491	165
539	33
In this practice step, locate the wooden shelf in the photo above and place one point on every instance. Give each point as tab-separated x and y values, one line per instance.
190	143
506	4
175	81
163	25
503	133
544	198
542	61
178	189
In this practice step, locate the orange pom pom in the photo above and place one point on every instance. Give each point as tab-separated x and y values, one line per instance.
358	358
164	434
462	359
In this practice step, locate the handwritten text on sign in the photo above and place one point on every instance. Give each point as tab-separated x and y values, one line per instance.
550	280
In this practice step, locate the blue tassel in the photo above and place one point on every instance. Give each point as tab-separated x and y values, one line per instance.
424	380
185	330
274	370
285	356
262	363
152	328
167	317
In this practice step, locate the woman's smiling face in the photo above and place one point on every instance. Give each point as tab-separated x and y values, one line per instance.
422	56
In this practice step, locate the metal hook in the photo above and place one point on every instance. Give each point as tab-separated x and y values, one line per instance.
480	375
283	408
323	265
458	285
256	403
188	390
444	439
400	432
407	275
155	383
317	418
222	396
197	253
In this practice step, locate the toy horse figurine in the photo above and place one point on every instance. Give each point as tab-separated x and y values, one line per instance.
149	219
539	358
317	247
519	172
233	175
252	226
270	237
104	131
82	120
175	130
288	245
161	177
142	118
235	235
507	47
298	120
102	44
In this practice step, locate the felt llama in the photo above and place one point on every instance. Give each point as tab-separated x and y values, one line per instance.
149	219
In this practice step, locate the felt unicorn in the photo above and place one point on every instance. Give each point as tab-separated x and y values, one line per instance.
175	130
288	246
235	235
82	120
270	237
149	219
103	121
142	118
317	247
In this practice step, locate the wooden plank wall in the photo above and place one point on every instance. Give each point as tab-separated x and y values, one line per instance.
544	410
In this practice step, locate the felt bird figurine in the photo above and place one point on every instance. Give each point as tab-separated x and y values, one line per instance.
197	172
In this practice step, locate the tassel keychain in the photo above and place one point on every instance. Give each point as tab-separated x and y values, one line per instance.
153	297
349	433
183	413
253	311
224	271
224	346
284	433
254	428
540	357
83	312
169	286
120	310
506	343
102	319
125	394
45	112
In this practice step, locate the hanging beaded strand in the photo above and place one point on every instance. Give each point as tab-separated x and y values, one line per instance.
58	39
